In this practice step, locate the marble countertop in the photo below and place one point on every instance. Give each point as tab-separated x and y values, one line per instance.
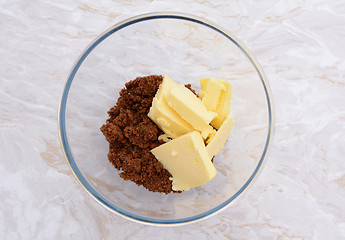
299	195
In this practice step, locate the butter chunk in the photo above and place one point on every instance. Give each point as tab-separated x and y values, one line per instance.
223	108
190	107
208	133
164	137
215	91
187	160
165	87
210	93
164	116
210	136
217	143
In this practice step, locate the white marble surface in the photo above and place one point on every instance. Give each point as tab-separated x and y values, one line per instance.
301	191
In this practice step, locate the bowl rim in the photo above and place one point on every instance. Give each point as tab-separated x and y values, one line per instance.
62	114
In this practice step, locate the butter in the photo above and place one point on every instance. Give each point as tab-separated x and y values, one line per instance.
187	160
217	143
164	116
210	93
165	87
209	138
216	95
164	137
208	133
190	108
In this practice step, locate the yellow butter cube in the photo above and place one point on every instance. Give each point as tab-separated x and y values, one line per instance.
164	116
216	96
217	143
187	160
190	108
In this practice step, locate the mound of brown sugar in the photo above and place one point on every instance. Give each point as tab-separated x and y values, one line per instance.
131	136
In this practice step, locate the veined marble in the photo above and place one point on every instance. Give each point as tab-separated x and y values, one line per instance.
299	195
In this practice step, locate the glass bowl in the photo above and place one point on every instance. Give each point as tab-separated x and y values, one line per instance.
186	48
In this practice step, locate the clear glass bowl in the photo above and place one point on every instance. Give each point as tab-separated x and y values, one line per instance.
186	48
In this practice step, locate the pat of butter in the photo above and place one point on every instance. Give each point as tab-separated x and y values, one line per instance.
216	90
217	143
210	93
208	133
190	108
210	137
165	87
164	116
164	137
187	160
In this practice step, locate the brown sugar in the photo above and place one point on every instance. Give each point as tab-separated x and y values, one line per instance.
131	136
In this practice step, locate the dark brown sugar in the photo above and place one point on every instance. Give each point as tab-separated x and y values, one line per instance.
131	136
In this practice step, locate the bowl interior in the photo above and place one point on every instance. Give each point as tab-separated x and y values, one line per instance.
186	50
